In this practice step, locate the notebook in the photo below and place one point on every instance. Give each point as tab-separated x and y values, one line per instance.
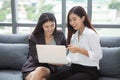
55	54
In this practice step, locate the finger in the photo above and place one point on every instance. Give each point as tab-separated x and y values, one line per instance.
69	45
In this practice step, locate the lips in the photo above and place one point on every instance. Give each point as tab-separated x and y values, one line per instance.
50	32
74	27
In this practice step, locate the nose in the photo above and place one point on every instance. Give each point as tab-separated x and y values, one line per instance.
50	28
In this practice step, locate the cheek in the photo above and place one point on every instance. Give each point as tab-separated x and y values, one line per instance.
53	27
79	22
44	29
71	23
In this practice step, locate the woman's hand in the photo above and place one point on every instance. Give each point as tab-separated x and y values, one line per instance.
72	48
75	49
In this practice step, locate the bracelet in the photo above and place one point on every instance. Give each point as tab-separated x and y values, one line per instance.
69	63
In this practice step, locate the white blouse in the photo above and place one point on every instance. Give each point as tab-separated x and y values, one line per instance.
89	40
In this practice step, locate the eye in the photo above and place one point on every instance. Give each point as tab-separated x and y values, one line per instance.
45	26
52	25
74	19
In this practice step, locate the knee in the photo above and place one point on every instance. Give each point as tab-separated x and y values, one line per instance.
42	69
28	77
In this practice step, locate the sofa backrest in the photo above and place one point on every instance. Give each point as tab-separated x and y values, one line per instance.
110	63
13	50
14	38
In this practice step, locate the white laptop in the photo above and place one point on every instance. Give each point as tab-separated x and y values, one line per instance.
55	54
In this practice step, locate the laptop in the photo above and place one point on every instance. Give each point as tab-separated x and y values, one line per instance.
54	54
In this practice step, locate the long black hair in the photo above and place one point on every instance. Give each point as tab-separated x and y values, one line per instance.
44	17
79	11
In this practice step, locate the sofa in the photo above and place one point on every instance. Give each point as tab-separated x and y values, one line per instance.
14	51
110	63
13	54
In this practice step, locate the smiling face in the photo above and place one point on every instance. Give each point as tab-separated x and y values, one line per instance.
76	22
49	28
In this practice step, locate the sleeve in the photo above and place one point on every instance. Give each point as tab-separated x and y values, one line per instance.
63	42
95	52
60	37
31	63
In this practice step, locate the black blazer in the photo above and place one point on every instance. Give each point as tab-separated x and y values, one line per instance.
32	61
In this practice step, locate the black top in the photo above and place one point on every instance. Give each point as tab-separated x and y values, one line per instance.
32	61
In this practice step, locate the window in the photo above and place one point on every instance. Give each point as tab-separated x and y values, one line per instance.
5	11
71	3
106	12
6	30
108	31
21	16
29	11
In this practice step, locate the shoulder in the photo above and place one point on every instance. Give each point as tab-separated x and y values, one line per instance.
90	34
32	37
59	33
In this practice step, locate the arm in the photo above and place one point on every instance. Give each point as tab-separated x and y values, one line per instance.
95	52
62	38
31	63
75	49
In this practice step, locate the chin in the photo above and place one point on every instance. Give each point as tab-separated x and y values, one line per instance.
50	33
75	29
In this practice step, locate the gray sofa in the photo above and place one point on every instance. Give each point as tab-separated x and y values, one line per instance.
13	54
14	51
110	63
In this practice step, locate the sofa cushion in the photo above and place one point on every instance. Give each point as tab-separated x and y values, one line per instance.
10	75
13	56
110	41
108	78
14	38
110	63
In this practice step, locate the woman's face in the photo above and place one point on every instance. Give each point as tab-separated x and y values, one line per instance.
49	27
75	21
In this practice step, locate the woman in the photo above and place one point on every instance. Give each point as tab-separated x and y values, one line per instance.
84	48
83	44
44	33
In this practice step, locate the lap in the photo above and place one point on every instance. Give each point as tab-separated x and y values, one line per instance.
75	73
80	76
61	73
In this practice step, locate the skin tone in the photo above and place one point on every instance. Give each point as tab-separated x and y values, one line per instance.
42	73
77	23
49	28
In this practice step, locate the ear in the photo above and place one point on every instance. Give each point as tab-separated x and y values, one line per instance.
83	18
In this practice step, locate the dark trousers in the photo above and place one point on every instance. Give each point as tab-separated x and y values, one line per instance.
75	72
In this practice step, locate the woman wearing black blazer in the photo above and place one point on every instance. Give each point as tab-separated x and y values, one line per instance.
44	33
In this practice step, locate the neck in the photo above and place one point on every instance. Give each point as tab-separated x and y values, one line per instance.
81	30
48	36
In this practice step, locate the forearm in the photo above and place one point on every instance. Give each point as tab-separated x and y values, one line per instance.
82	51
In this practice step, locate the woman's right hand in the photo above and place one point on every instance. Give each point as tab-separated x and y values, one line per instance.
72	48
